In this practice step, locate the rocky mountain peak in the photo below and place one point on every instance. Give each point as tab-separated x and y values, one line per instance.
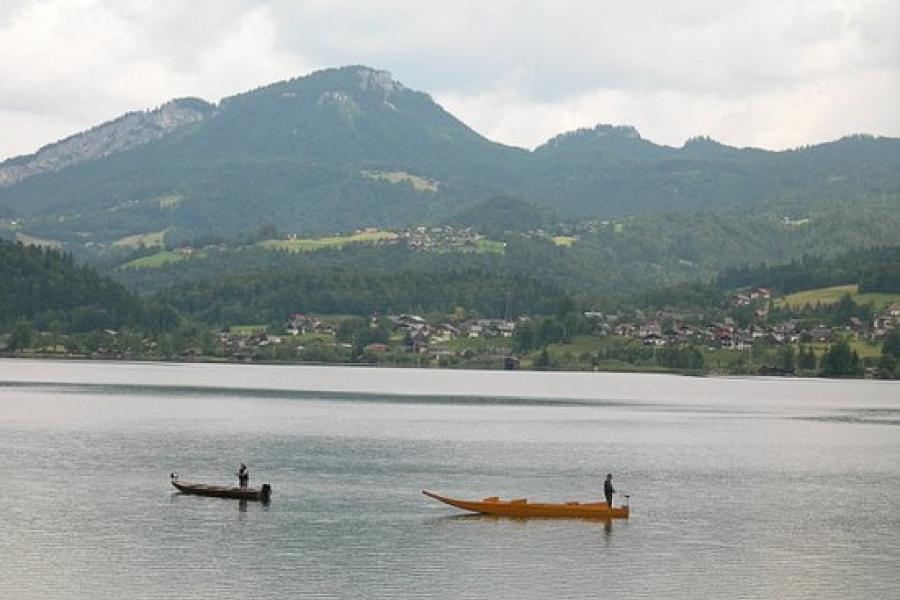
128	131
371	79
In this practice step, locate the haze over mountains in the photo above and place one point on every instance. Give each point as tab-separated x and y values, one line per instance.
351	147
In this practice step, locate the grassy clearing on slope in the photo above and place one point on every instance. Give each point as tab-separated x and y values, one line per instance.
480	247
149	240
863	349
312	244
420	184
30	240
155	261
832	295
246	329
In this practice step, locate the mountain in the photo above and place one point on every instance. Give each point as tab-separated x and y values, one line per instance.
351	147
331	151
128	131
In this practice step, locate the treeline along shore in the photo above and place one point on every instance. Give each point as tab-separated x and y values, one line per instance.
467	315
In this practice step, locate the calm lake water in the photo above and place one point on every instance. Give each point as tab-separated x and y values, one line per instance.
741	488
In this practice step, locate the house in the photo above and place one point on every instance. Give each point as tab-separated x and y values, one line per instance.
447	331
418	340
506	328
774	339
785	327
625	329
653	339
406	320
300	323
649	329
740	300
819	333
882	322
725	340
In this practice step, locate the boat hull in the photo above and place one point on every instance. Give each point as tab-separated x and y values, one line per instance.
523	509
261	494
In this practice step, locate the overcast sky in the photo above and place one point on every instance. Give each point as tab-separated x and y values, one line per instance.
768	73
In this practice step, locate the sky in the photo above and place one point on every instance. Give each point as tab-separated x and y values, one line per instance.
767	73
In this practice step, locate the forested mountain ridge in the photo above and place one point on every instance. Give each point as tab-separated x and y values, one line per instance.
128	131
351	147
46	287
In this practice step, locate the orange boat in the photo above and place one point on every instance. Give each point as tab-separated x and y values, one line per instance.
521	508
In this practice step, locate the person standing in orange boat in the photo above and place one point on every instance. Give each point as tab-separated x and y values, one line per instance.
608	489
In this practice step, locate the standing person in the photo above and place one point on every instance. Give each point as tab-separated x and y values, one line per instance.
608	489
243	475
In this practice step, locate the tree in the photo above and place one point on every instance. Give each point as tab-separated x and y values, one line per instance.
807	359
788	358
845	309
891	346
841	361
543	361
349	329
524	339
21	336
887	367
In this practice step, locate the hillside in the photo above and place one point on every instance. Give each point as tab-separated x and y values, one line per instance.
47	287
347	148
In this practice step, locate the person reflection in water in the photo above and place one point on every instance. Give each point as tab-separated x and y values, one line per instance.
608	489
243	475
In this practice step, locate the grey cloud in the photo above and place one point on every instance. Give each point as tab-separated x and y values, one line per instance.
566	61
552	50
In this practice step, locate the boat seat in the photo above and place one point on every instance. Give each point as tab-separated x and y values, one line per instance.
574	503
519	501
492	499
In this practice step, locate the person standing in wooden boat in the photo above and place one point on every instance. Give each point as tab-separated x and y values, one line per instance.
608	489
243	476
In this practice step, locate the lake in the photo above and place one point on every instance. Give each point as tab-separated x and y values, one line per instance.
740	488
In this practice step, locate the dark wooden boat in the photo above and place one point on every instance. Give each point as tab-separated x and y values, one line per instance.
260	494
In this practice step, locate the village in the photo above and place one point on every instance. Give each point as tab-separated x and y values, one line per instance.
496	343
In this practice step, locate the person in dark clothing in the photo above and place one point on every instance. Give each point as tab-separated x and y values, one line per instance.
243	475
608	489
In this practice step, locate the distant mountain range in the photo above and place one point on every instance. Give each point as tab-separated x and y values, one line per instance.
351	147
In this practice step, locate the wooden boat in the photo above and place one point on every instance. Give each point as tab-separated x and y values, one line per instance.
260	494
522	508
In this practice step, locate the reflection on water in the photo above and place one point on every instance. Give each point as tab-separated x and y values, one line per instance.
751	490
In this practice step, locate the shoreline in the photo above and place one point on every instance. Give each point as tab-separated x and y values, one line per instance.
428	382
200	359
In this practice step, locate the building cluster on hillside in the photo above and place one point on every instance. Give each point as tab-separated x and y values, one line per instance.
419	333
439	237
726	334
748	298
886	321
665	328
